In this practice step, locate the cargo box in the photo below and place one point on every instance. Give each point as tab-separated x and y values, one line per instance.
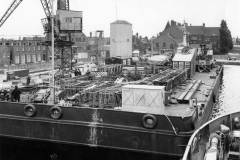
143	98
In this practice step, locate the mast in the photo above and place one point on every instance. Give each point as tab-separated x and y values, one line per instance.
52	47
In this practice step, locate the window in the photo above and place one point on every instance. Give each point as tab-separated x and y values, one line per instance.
171	46
34	58
68	20
17	59
44	57
175	65
38	57
164	45
28	58
23	59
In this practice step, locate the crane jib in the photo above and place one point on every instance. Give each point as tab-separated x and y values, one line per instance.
46	4
9	11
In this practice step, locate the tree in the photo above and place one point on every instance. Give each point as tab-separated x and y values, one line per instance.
230	42
141	43
226	43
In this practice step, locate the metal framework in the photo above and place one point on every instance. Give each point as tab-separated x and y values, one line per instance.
9	11
47	5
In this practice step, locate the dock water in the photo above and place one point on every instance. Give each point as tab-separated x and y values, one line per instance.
229	98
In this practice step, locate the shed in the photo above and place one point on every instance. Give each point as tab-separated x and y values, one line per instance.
143	98
185	59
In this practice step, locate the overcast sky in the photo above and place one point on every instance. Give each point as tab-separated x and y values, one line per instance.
147	16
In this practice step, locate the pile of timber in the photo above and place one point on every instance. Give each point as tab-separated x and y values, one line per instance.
169	78
188	93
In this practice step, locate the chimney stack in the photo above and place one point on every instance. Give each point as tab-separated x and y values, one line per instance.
90	34
203	24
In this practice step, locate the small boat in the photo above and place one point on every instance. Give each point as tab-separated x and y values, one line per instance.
218	139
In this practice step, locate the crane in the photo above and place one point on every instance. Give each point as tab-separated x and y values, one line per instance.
9	11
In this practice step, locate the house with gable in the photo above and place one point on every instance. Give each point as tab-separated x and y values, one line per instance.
175	34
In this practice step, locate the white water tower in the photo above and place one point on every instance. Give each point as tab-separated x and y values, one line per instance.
121	39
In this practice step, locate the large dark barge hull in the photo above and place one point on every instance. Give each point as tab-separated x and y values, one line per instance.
18	149
87	133
95	128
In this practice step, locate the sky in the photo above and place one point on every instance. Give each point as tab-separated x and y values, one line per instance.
148	17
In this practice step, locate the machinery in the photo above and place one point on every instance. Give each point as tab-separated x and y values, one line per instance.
204	59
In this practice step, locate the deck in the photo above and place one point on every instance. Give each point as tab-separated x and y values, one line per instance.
201	94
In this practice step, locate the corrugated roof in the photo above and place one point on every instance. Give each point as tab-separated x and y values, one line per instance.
121	22
185	57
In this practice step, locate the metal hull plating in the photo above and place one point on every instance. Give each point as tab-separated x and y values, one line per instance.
98	128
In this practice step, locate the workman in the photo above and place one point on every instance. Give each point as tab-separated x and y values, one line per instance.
15	96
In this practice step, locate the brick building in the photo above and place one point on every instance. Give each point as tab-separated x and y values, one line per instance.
203	35
173	36
23	51
98	45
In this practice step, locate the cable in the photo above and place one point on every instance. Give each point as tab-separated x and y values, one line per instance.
174	129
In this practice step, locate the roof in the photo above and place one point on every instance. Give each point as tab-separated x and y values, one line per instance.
184	57
121	22
211	31
158	58
174	32
195	29
136	51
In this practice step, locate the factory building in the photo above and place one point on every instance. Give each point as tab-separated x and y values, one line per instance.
23	51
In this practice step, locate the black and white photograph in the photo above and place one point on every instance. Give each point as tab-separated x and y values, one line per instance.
120	79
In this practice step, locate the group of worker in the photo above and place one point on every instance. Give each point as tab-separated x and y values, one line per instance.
13	95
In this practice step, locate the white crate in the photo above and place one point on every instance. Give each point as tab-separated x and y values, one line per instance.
143	98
